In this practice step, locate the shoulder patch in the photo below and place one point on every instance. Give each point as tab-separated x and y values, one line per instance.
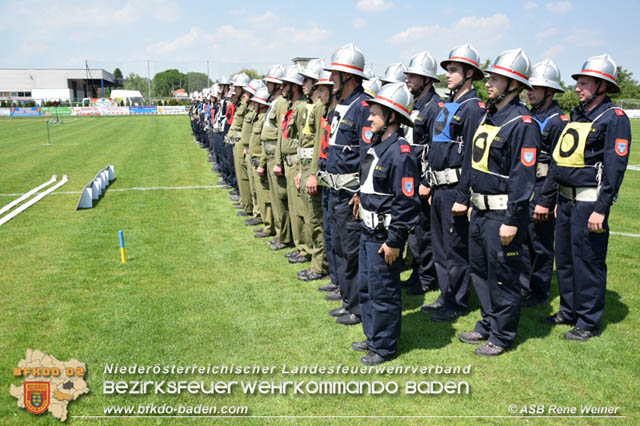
367	134
482	105
619	111
622	147
441	104
526	119
405	148
564	117
528	156
408	188
365	104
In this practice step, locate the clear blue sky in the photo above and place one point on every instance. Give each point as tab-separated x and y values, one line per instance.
237	34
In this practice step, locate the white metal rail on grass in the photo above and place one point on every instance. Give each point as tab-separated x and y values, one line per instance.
28	194
32	201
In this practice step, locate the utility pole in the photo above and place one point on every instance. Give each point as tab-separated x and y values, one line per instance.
208	79
149	78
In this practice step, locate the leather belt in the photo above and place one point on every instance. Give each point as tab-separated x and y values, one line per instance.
373	219
489	201
579	193
444	177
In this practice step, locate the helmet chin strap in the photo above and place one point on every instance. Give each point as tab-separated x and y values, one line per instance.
453	92
492	103
421	89
587	102
342	82
538	105
387	116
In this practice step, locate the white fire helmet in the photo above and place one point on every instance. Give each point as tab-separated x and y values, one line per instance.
465	54
372	86
240	80
349	59
274	73
324	79
513	64
546	74
394	73
423	64
313	69
254	85
262	96
292	75
397	97
601	67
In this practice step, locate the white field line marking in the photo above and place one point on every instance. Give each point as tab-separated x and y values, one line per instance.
625	234
153	188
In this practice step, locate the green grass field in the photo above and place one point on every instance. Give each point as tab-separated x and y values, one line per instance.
200	289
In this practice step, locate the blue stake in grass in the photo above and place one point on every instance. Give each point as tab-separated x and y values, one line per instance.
122	254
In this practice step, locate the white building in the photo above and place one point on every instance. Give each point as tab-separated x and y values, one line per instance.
53	84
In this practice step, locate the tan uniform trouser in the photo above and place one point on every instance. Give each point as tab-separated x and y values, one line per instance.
243	178
296	210
313	223
278	189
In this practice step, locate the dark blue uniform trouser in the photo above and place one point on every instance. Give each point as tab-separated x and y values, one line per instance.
200	133
450	239
345	235
217	146
540	245
326	228
581	263
420	245
231	171
193	127
380	295
495	272
208	139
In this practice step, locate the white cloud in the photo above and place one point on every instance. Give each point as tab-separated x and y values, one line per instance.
559	7
59	15
480	32
268	39
463	30
530	5
359	23
583	38
374	5
551	31
553	51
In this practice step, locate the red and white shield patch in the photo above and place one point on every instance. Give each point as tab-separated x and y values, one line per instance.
367	134
528	156
408	188
622	147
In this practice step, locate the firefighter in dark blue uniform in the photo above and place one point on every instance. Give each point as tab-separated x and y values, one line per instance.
388	209
192	116
545	80
420	76
589	162
218	127
350	136
502	180
332	288
208	131
448	158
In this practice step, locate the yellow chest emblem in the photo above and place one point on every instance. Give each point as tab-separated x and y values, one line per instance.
483	139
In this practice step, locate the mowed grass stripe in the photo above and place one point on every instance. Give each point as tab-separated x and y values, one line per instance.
198	288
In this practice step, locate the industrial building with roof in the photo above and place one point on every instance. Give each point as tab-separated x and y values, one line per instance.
39	85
